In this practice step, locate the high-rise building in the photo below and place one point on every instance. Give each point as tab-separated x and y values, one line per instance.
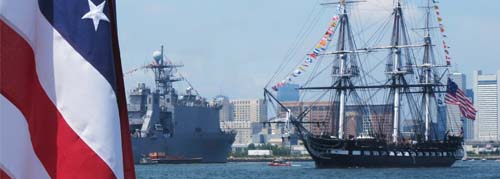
487	101
226	110
455	122
438	131
245	114
254	110
470	94
288	92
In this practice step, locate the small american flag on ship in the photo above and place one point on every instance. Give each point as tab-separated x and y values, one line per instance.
456	96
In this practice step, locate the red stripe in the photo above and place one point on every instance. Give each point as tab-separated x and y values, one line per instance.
465	105
459	98
59	148
449	99
466	113
3	175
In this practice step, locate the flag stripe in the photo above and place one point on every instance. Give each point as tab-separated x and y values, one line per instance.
17	154
85	99
62	151
3	175
456	96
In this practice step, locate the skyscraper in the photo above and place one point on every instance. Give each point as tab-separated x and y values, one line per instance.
288	92
254	110
487	101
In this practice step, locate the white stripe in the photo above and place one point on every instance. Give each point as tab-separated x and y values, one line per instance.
82	95
85	99
17	156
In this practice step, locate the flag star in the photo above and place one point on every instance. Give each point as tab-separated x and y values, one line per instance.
96	14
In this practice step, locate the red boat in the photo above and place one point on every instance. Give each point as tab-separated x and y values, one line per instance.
279	163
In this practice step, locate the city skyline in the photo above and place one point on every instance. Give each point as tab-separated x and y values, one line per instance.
234	51
487	102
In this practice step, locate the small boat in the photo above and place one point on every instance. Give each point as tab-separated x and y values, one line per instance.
279	163
146	161
163	158
483	159
497	160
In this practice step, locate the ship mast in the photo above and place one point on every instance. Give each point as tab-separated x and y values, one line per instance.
342	57
427	72
346	68
397	74
427	68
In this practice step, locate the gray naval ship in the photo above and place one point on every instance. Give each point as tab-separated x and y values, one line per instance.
171	127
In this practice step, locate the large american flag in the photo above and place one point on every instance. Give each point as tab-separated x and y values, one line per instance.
62	101
454	95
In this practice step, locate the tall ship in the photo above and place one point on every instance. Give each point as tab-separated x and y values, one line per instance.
172	128
385	101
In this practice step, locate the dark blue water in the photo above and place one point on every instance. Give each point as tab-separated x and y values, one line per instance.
306	170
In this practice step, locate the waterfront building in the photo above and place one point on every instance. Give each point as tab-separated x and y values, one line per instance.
487	101
254	110
288	92
245	121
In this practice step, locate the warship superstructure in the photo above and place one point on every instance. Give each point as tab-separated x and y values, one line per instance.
179	126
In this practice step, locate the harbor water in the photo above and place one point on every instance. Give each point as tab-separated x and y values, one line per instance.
306	170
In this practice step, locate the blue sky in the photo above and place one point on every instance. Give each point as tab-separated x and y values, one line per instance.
233	47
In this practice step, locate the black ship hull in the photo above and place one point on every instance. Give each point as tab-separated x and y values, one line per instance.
350	161
334	153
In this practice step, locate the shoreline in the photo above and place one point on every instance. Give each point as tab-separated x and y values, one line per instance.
267	159
496	157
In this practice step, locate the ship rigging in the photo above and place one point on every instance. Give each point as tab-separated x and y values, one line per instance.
409	91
